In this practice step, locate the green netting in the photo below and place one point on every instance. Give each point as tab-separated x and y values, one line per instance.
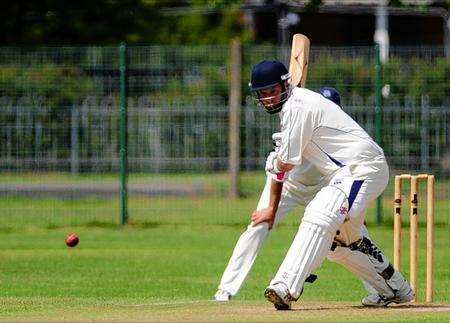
59	153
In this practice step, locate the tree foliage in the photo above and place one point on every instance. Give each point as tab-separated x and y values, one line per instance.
113	21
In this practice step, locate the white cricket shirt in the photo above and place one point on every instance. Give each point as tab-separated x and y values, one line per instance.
317	129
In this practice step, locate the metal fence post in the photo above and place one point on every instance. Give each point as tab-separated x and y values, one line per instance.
123	137
378	119
250	153
424	133
235	120
74	160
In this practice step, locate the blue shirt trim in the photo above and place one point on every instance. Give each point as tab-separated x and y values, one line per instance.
356	186
337	162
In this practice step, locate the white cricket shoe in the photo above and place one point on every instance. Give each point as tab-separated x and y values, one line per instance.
222	296
403	295
278	294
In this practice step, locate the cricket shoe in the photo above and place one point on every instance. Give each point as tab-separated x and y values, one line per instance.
222	296
278	294
403	295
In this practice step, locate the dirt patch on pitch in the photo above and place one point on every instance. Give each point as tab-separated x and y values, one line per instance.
244	311
417	307
251	311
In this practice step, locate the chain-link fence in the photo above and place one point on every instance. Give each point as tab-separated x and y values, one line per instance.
60	134
57	114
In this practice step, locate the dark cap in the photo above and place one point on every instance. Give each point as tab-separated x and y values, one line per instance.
268	73
331	94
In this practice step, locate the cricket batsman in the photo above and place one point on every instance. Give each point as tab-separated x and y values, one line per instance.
341	171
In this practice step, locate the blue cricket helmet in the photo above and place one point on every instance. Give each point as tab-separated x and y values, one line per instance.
331	94
267	73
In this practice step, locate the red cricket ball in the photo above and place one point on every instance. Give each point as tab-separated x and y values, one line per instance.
72	240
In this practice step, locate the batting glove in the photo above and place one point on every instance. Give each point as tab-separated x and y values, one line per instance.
278	177
276	139
272	167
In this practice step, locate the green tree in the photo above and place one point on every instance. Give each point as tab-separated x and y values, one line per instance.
112	21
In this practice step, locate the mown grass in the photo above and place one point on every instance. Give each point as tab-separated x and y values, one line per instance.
129	267
216	208
166	263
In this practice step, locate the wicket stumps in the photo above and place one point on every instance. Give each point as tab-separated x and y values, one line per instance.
413	229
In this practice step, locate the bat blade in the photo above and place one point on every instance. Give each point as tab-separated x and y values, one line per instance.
298	66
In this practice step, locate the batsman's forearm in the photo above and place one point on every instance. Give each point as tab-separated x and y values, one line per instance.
275	195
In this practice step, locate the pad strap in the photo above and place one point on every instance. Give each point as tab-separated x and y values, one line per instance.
366	246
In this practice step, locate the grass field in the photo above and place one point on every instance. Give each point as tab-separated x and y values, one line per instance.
166	264
215	208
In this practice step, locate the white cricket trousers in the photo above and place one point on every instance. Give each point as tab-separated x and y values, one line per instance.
374	176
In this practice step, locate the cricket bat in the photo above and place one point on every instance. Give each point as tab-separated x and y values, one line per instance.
298	65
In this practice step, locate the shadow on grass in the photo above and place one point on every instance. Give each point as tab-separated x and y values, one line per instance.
91	224
6	230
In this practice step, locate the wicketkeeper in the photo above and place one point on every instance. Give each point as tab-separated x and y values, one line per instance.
326	161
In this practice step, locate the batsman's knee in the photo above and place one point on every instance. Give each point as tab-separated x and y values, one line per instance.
328	209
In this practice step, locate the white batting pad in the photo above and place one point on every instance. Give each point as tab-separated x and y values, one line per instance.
366	261
365	233
323	216
360	264
328	209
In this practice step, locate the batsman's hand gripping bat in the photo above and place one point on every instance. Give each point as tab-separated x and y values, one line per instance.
298	65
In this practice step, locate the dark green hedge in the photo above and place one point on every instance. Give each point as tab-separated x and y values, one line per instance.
183	73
